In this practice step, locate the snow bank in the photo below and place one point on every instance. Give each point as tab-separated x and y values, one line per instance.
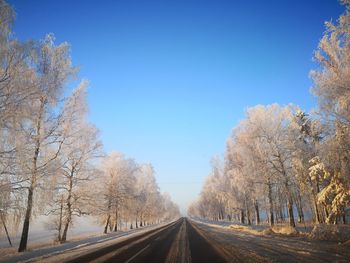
281	230
267	231
246	229
285	230
338	233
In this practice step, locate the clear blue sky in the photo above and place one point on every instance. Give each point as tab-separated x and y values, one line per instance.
169	79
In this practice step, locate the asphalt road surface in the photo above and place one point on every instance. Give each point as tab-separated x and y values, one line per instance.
189	241
185	241
177	242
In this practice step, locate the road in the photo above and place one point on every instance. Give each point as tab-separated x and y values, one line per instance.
244	247
189	241
185	241
177	242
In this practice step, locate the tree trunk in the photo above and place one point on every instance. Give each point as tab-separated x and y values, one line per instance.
108	215
272	219
280	213
248	217
107	223
326	211
257	214
289	194
65	230
242	216
298	205
4	224
25	231
267	216
247	209
316	211
60	220
290	212
300	211
116	220
69	208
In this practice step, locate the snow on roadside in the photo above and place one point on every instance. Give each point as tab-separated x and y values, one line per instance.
253	229
58	257
40	236
259	230
56	253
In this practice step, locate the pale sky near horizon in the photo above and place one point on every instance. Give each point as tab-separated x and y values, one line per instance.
170	79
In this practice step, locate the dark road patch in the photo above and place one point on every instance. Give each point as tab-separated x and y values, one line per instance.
201	249
154	250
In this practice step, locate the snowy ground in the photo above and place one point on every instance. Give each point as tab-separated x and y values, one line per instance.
273	248
39	234
301	228
69	248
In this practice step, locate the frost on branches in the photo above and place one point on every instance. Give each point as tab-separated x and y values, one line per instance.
286	162
335	195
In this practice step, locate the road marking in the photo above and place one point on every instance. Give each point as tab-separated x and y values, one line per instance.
84	244
138	253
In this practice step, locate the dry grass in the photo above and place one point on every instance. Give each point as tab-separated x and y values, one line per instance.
338	233
285	230
7	251
278	229
238	227
12	251
246	229
267	231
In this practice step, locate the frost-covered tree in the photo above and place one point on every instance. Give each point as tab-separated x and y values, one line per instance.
116	188
171	210
48	147
308	137
150	195
258	169
269	131
15	88
39	141
282	159
332	79
128	193
331	86
79	149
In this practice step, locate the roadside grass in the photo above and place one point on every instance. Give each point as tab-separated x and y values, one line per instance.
280	229
246	229
335	233
338	233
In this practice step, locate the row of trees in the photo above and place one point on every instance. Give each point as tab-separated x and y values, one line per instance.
282	162
50	153
115	192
